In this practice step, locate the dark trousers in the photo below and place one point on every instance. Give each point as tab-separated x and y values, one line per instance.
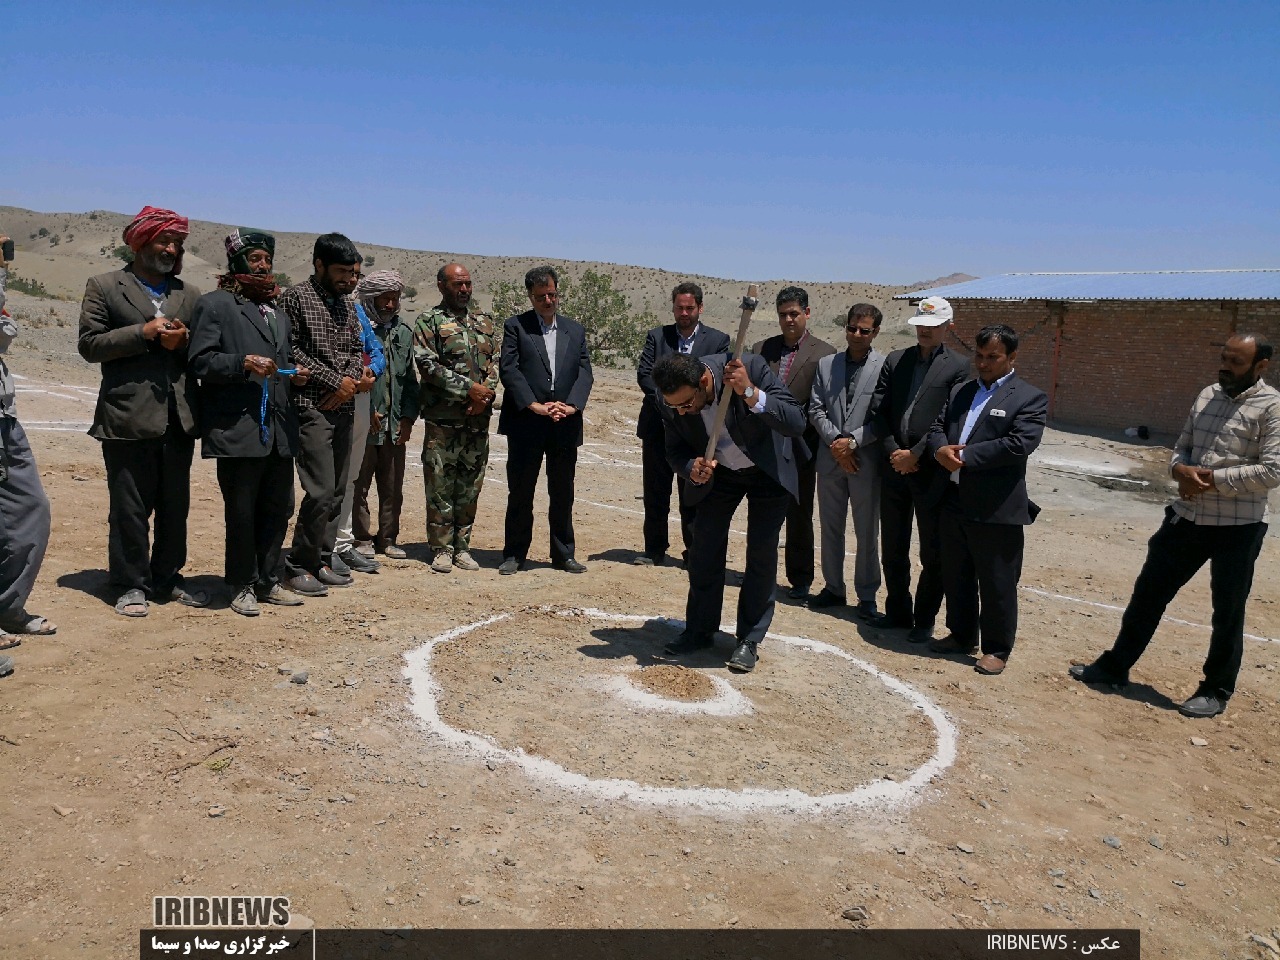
981	567
657	476
899	504
146	477
767	503
257	502
383	463
798	557
324	457
24	523
524	463
1174	554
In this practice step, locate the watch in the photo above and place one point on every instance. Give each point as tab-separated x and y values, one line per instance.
749	393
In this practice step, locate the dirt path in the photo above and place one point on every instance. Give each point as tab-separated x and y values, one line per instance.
170	755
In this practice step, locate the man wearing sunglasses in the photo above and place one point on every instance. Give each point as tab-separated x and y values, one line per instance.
753	460
848	467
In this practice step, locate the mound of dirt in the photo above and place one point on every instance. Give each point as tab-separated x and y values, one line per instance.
675	682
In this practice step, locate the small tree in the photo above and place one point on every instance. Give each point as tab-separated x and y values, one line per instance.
368	260
283	280
615	336
124	253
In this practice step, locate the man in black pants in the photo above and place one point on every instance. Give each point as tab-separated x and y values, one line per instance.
754	459
325	336
133	322
1226	460
689	336
239	342
546	372
913	386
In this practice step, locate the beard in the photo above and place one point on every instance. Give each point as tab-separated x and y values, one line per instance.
1234	386
162	263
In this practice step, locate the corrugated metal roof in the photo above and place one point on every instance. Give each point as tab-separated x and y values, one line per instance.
1148	285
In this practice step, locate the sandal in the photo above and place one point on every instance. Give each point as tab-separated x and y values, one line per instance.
132	604
8	641
32	627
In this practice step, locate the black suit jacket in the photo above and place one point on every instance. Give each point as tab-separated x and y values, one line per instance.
764	437
525	371
137	374
661	342
993	480
800	374
905	425
224	330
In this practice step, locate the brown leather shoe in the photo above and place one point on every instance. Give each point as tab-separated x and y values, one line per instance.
950	645
990	664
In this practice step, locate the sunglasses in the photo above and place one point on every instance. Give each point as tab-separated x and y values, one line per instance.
861	331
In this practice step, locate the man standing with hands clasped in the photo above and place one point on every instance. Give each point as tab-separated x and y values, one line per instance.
546	371
754	459
1226	460
133	322
983	439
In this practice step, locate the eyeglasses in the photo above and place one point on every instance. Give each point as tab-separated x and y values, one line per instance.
686	407
861	331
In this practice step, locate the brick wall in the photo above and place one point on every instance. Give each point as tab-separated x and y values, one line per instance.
1123	363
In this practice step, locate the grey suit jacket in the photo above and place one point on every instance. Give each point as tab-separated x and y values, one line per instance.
833	417
799	378
138	375
525	371
764	437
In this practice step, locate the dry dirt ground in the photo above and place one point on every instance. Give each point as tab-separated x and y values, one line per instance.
170	756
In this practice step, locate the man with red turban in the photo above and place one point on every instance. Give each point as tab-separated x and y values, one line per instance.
134	322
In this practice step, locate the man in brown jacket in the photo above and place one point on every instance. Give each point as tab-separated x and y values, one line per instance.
134	323
793	355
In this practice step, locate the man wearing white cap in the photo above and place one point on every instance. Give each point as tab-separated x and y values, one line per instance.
912	389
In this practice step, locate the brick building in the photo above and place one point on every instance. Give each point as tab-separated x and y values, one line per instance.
1119	350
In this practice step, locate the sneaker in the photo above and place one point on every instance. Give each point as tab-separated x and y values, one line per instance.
744	658
394	552
442	562
463	560
509	566
1203	705
245	602
188	598
365	549
6	665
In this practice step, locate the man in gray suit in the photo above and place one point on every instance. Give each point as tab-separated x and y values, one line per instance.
849	461
134	322
753	459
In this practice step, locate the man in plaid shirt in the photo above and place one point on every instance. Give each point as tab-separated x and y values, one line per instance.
1226	460
326	340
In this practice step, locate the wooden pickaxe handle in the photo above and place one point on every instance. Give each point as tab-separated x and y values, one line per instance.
749	304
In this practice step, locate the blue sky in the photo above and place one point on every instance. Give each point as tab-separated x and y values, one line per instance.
890	142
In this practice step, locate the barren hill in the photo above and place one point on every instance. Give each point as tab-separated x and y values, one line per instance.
75	246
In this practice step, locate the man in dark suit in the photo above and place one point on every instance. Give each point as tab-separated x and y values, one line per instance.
754	458
239	343
134	323
688	336
793	357
982	439
912	389
546	372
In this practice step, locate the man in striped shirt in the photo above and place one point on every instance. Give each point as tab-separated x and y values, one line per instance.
1226	461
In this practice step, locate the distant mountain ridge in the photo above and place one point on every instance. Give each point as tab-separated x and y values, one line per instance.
941	281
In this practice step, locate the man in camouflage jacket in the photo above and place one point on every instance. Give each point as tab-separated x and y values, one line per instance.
456	350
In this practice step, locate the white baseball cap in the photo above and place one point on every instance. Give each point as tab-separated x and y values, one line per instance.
932	312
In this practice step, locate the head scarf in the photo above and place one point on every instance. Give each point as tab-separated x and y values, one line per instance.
373	285
257	288
149	224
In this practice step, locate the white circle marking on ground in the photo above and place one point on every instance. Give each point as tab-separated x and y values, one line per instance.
881	794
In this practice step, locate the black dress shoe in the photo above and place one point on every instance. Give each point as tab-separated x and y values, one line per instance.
744	658
868	611
919	634
650	560
1203	705
331	578
338	565
688	643
508	566
571	566
824	599
1092	673
799	592
304	584
952	645
356	562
